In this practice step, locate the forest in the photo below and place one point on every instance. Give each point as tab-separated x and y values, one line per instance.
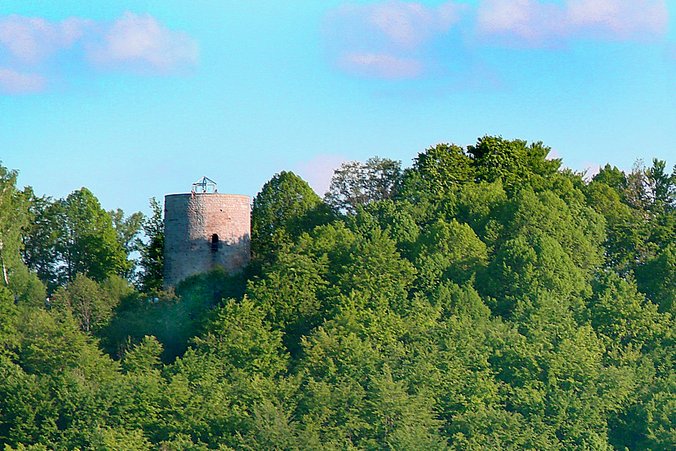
486	297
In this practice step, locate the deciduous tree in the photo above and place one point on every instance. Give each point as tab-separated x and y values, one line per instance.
357	184
152	251
285	207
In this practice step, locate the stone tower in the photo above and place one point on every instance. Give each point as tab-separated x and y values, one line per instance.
203	230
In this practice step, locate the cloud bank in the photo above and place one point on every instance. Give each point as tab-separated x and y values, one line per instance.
391	39
13	82
132	42
537	23
381	65
142	41
382	40
31	39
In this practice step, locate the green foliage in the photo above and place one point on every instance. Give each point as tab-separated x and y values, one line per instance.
611	176
9	315
120	439
515	162
27	287
14	217
657	278
544	245
90	305
239	338
394	218
152	252
76	236
619	312
448	251
640	210
173	317
487	300
128	230
376	272
285	207
15	220
88	242
50	342
40	240
293	294
357	184
627	234
437	171
144	357
26	413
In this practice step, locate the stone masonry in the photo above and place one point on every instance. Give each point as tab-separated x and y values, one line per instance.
203	231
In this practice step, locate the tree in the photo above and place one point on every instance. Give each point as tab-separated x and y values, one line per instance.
9	316
285	207
73	384
357	184
88	243
401	420
27	412
152	252
376	273
128	230
436	172
640	211
120	439
75	235
240	338
657	278
626	235
40	239
14	219
144	357
514	162
613	177
293	295
661	186
494	302
443	166
91	306
543	244
448	251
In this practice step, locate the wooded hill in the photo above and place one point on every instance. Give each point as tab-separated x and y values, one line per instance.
485	298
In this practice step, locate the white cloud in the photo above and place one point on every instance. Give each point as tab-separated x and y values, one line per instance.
142	42
384	40
410	24
527	20
31	39
537	22
619	18
390	39
381	65
13	82
137	42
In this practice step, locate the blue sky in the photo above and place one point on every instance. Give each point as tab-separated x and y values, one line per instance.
135	99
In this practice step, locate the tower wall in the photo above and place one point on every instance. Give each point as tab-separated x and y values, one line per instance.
203	231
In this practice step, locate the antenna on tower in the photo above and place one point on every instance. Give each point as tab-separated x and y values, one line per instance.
204	185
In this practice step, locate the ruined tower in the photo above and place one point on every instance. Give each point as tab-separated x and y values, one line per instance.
203	230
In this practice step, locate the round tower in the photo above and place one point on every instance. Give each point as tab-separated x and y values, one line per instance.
203	230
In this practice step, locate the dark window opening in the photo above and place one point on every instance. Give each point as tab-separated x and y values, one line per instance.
214	242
